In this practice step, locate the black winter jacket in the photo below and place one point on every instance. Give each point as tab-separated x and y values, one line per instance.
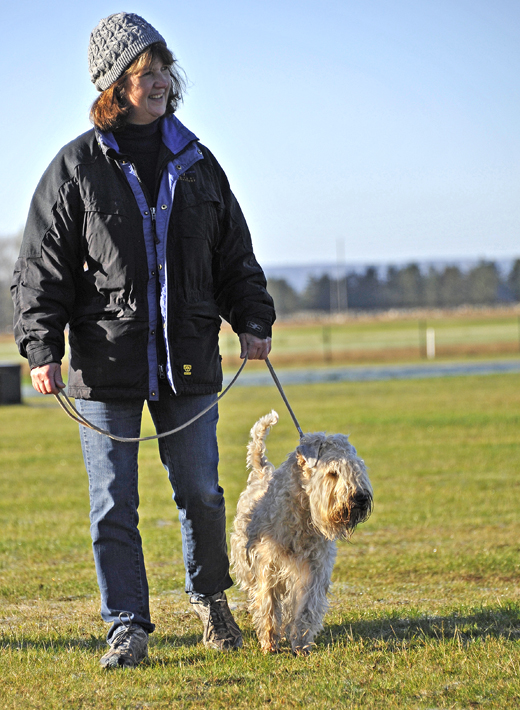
95	256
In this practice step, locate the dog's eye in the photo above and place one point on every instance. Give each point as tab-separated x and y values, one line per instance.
333	473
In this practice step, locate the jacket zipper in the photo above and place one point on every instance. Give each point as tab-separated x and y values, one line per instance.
155	237
153	214
160	367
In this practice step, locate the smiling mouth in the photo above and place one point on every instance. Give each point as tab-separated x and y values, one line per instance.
156	96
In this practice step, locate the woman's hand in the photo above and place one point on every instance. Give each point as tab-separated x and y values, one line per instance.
255	348
47	378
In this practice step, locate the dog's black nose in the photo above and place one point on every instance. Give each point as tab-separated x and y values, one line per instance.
361	499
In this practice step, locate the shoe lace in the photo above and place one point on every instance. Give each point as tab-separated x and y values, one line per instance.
123	636
217	619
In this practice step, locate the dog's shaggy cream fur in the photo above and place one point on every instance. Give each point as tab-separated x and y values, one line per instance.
283	543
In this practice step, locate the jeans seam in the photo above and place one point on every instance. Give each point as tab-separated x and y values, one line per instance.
129	513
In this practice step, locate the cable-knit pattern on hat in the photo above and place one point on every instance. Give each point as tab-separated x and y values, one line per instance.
115	43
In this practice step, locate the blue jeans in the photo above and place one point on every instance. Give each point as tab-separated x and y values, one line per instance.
191	459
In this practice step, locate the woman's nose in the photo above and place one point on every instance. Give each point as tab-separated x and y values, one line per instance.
161	80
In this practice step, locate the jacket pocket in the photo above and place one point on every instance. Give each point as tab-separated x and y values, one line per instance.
196	208
106	204
194	335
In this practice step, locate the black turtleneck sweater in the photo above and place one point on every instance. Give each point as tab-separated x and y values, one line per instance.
142	145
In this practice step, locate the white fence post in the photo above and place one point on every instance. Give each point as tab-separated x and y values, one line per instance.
430	343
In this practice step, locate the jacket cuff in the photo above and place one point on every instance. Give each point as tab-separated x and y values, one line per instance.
39	354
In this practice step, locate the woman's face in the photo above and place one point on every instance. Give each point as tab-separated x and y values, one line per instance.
147	93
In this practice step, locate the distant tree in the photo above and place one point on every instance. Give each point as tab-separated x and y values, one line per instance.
365	290
452	287
316	295
286	299
513	280
410	286
9	247
431	288
483	283
393	296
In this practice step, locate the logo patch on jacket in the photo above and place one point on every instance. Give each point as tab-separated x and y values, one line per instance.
187	369
188	176
254	326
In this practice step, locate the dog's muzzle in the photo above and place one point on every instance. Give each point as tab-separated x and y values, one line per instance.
361	507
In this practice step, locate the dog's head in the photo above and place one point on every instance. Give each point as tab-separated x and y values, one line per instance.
336	482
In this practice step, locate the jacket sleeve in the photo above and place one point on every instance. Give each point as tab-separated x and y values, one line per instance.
43	286
240	283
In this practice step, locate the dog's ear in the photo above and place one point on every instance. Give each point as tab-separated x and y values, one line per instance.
310	453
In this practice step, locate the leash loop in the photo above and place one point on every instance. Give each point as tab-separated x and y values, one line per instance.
69	408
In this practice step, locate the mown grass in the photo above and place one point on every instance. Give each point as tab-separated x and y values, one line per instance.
425	604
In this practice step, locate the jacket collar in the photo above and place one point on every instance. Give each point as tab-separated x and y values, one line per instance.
175	136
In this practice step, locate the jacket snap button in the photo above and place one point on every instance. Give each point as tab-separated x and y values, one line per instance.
153	394
164	207
153	273
160	266
179	167
146	213
199	152
153	332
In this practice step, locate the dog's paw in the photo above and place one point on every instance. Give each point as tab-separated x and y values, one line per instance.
302	651
270	647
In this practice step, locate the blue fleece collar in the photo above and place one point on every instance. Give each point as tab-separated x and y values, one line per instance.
175	136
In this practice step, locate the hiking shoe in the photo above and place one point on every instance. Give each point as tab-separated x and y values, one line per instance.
128	646
220	629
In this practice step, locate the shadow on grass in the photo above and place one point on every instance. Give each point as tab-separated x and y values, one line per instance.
497	622
59	643
63	642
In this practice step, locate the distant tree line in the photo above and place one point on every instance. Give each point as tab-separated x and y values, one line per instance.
407	287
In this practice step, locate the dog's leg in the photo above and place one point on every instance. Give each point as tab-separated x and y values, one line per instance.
295	603
265	598
266	611
310	605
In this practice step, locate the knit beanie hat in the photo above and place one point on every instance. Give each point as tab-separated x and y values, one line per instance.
115	43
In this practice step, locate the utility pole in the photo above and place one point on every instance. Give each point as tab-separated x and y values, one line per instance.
340	262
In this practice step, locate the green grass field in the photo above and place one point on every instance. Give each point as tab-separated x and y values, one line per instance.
425	605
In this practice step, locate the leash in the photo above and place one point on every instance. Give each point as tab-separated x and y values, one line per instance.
71	411
69	408
280	389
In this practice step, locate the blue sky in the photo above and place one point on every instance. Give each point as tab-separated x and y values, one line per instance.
380	130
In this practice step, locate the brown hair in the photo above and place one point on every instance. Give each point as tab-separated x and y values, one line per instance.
110	110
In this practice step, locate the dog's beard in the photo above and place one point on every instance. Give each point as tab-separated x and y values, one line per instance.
335	509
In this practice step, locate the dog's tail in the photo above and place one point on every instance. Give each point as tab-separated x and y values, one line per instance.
256	459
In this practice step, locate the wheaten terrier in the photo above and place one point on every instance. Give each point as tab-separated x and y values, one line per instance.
283	543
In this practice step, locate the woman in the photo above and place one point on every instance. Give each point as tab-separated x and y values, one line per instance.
135	241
